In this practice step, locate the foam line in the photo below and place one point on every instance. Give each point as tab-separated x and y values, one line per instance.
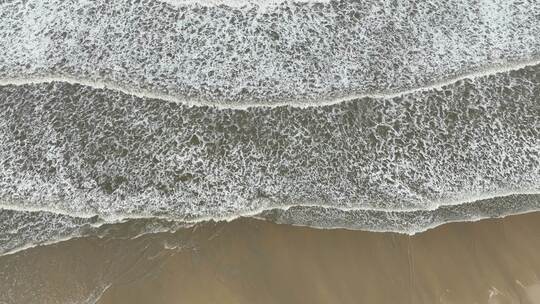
141	93
411	233
419	230
120	218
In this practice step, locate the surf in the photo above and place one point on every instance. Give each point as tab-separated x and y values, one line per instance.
488	70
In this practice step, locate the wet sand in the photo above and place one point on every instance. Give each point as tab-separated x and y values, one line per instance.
492	261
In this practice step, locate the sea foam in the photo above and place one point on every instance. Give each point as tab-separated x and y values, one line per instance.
79	151
376	115
290	52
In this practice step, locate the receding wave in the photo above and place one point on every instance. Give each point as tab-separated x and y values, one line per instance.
409	222
20	230
100	154
291	51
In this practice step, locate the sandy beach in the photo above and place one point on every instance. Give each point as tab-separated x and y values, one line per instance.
252	261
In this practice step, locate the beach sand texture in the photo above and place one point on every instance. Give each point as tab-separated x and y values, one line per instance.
252	261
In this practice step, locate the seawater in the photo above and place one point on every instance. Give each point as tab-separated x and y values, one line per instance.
362	115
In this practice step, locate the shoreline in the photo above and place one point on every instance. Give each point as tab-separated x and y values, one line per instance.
170	225
254	261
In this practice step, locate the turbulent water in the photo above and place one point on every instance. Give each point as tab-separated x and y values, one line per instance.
376	115
268	53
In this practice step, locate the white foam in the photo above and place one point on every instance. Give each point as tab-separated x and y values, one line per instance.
261	4
141	93
118	218
291	52
81	151
419	229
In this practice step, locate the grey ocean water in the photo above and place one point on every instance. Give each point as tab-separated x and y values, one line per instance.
370	115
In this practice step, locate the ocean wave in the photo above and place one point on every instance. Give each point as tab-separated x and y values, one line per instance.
21	230
404	222
294	51
324	101
85	150
29	229
89	156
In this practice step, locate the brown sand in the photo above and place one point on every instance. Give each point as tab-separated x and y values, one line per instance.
493	261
